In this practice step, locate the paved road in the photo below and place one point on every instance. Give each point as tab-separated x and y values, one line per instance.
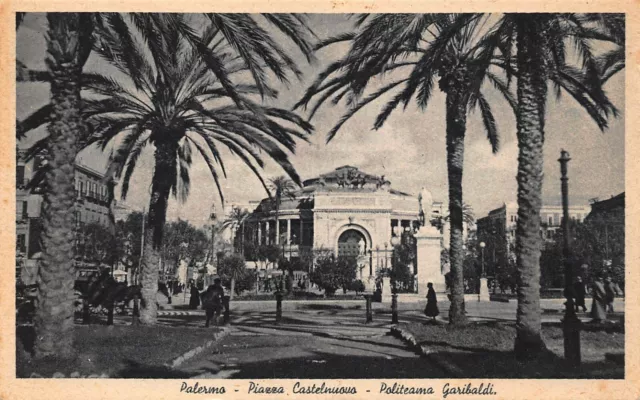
326	340
309	344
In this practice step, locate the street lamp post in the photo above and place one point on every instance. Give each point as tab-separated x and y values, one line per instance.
395	241
482	246
483	292
571	323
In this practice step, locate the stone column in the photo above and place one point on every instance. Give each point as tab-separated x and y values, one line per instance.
266	228
428	260
300	237
259	233
289	231
278	230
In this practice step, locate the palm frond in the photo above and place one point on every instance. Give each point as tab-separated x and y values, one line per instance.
332	133
210	163
489	123
33	121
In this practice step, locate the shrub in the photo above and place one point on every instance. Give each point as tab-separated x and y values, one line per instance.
232	268
331	274
357	286
246	282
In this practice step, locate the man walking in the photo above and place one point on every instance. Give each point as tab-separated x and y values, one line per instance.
579	292
212	302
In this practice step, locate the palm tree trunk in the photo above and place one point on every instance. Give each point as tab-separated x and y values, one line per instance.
530	124
163	177
56	275
456	127
233	288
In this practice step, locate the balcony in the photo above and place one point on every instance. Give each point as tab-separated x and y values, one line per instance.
95	197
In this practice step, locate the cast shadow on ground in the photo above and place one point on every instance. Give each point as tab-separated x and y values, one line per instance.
323	365
503	365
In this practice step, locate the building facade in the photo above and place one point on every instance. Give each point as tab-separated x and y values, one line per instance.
91	205
497	230
347	212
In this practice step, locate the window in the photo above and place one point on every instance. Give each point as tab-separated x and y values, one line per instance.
25	207
550	221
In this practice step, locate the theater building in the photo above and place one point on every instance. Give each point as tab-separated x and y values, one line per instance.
346	211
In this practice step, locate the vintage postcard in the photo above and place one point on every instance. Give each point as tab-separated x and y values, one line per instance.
321	199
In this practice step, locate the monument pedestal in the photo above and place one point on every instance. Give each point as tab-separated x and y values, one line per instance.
386	289
428	260
484	290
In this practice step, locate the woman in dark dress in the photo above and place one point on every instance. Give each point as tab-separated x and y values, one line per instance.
431	310
194	300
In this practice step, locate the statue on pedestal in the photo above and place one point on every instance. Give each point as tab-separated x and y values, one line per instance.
361	247
426	203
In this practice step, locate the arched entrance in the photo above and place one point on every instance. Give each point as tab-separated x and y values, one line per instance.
351	243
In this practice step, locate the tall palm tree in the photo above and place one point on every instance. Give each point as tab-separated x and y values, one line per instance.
230	44
417	49
179	107
235	221
541	43
281	187
67	51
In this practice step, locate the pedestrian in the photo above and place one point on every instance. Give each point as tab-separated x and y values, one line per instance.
579	292
212	301
431	310
610	293
598	312
194	300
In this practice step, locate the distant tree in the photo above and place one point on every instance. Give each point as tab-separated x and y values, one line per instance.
236	222
232	268
129	240
96	244
281	187
246	282
269	253
358	286
333	273
183	242
471	263
597	244
404	257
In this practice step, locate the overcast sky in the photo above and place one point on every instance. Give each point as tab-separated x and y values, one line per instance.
409	150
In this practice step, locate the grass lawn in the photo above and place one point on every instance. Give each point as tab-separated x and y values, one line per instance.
486	350
120	351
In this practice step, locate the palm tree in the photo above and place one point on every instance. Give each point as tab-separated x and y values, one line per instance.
67	51
179	107
281	187
541	48
418	49
234	268
230	44
235	221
